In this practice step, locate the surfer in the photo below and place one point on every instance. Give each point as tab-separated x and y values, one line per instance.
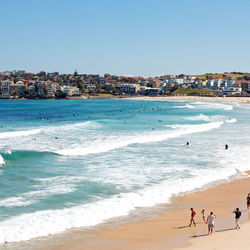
226	147
187	143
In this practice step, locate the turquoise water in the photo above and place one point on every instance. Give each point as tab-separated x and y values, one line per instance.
78	163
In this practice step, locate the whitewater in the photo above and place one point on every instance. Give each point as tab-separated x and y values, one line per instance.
69	164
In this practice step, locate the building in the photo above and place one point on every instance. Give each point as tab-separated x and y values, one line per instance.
151	91
41	88
17	90
210	84
229	83
50	89
102	81
217	83
128	89
90	86
5	89
32	91
70	91
232	91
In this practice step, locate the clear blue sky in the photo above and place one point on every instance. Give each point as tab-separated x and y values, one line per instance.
125	37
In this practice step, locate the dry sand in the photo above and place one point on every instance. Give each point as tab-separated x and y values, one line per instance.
194	98
228	240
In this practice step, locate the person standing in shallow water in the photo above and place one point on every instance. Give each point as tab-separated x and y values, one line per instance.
192	217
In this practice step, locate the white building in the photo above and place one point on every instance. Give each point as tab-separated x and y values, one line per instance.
210	83
70	91
232	91
90	86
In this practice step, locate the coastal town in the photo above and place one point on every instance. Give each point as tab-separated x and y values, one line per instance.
18	84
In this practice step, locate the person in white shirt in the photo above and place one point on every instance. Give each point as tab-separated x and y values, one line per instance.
210	222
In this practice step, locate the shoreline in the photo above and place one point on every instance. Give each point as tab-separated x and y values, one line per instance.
163	230
236	99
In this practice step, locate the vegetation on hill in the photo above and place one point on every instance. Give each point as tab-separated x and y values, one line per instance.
181	91
237	75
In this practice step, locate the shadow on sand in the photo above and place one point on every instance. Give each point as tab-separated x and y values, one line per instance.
198	235
223	230
181	227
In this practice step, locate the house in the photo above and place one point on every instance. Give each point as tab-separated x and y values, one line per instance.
102	81
70	91
151	91
217	83
232	91
210	84
90	86
129	89
50	90
229	83
32	91
243	84
40	88
5	89
17	90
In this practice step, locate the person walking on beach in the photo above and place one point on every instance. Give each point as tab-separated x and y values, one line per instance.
203	215
248	201
237	217
192	217
210	222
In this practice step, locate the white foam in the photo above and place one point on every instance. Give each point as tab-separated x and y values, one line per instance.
200	117
185	106
2	162
233	120
19	133
197	128
118	142
48	187
15	202
43	223
212	105
80	125
45	129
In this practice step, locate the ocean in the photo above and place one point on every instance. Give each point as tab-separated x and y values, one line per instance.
78	163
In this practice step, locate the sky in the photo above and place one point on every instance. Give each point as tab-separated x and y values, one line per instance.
125	37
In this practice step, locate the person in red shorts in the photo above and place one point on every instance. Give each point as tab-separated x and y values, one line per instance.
192	217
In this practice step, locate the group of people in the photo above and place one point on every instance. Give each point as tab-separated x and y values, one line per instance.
211	217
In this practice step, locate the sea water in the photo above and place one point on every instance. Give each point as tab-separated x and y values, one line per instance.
79	163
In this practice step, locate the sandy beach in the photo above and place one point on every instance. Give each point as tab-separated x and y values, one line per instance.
195	98
169	229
